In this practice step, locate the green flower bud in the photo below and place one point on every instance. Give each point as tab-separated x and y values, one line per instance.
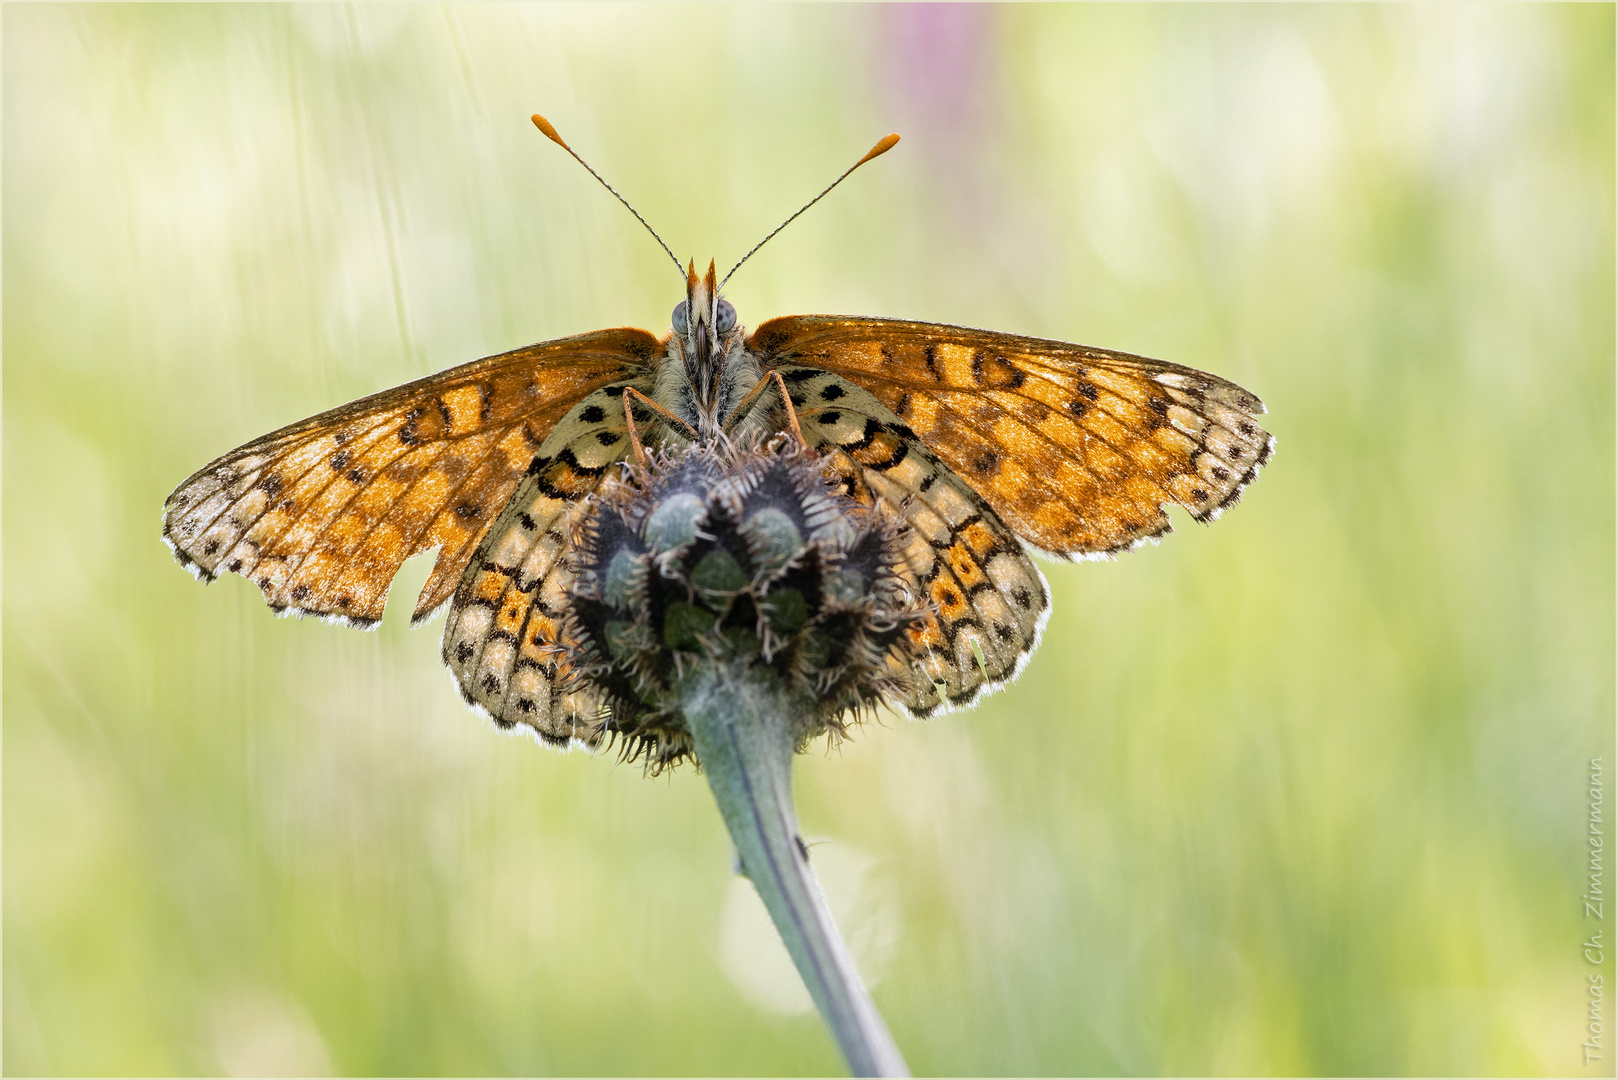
772	537
719	572
626	571
675	521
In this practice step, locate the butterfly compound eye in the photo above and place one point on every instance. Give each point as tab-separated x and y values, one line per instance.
681	319
727	317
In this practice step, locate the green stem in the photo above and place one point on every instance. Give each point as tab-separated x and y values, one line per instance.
740	718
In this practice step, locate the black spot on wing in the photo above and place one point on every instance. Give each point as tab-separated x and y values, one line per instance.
566	456
901	450
871	431
409	434
996	372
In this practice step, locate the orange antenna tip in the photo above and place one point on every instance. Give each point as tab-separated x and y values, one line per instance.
544	126
888	143
549	132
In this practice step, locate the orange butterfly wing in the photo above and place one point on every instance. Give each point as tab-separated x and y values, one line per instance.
322	514
1078	449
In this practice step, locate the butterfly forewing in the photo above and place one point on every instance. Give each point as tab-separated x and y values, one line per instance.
1079	449
322	514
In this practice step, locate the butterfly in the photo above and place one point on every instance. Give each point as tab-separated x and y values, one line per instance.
990	447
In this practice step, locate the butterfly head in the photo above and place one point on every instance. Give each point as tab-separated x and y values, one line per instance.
705	331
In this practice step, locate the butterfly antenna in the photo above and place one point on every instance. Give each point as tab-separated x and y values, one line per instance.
544	126
888	142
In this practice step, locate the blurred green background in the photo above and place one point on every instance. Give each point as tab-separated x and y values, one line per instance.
1303	792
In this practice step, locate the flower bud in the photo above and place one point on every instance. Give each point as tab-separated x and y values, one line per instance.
723	556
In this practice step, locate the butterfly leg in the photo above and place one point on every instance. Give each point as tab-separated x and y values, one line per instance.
641	460
741	408
792	413
743	405
634	433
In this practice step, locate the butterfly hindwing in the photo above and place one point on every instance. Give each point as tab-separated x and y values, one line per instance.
990	601
1079	449
503	634
321	514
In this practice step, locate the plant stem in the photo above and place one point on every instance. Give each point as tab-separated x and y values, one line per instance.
741	720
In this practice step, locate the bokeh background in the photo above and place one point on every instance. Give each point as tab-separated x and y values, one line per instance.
1303	792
